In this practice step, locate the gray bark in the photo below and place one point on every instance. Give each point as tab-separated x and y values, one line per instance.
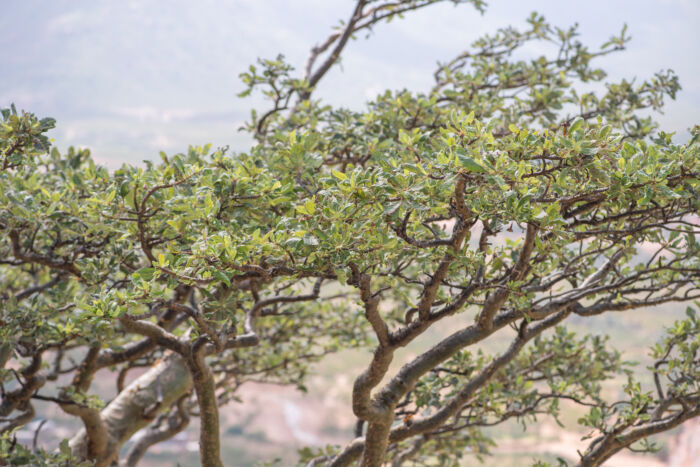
136	406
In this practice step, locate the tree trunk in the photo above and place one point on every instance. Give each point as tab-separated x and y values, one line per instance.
136	406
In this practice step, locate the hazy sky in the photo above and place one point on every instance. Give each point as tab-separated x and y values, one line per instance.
128	78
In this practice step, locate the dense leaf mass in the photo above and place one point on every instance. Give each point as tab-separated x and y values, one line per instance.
503	197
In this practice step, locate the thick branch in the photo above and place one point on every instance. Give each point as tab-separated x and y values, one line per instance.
615	442
496	299
163	429
315	77
425	424
203	381
136	406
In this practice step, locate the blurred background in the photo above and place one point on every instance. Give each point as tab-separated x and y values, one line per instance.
130	78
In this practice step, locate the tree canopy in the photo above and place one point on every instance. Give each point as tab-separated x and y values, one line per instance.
506	198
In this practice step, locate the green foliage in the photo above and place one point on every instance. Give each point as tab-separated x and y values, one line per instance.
17	454
22	137
503	197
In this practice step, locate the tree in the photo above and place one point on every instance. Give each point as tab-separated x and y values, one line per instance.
503	199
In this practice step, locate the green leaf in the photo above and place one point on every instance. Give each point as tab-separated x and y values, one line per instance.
129	199
144	273
589	151
391	208
405	138
339	175
342	275
110	196
469	163
524	201
310	207
575	125
222	277
64	447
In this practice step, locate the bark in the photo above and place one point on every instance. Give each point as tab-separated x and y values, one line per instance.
376	442
20	420
203	379
408	453
167	426
496	299
371	443
96	429
136	406
316	76
612	443
6	350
